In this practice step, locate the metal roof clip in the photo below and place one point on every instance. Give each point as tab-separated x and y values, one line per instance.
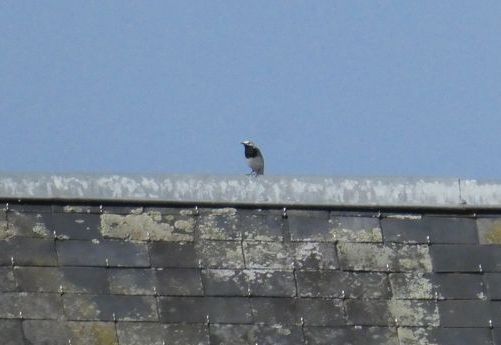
12	262
196	212
343	295
490	324
284	213
480	269
428	240
107	262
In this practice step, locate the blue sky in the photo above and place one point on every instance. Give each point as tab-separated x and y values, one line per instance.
344	88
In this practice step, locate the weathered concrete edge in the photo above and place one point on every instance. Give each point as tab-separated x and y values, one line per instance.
266	190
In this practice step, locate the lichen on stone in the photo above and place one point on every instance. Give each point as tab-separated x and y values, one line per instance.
489	230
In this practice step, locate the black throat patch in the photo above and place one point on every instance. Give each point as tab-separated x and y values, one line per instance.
250	152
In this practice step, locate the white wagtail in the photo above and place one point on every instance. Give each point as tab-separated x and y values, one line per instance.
254	157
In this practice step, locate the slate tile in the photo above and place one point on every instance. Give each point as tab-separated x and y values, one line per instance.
284	311
31	305
196	309
332	284
27	207
255	334
75	208
261	225
321	312
219	224
355	229
132	281
489	230
384	313
28	252
179	282
314	255
225	282
173	254
466	258
271	255
7	280
121	209
453	230
459	286
495	308
45	332
469	313
412	285
29	225
92	280
493	285
141	333
220	254
11	331
270	283
38	279
309	225
118	253
444	336
103	307
147	226
389	257
77	226
92	333
496	334
351	335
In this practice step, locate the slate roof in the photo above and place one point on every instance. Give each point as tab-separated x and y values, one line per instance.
140	272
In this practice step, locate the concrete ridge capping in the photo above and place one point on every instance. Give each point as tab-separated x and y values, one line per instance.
265	190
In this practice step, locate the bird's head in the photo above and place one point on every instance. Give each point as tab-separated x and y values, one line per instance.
248	143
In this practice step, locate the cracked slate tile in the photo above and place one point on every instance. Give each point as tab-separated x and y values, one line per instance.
255	334
102	253
332	284
30	305
141	333
444	336
28	252
107	307
388	257
12	332
151	225
173	254
351	335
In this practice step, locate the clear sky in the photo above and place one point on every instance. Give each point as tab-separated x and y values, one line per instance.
345	88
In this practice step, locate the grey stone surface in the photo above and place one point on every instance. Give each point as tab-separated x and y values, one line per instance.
493	285
321	312
351	335
45	332
91	280
142	333
459	286
314	255
444	336
11	331
179	282
269	255
28	225
173	254
118	253
246	189
109	307
261	225
436	229
489	230
255	334
219	224
198	309
388	313
18	305
220	254
77	226
132	281
223	282
92	333
389	257
413	285
7	280
327	283
38	279
470	313
271	311
309	225
28	252
271	283
151	225
466	258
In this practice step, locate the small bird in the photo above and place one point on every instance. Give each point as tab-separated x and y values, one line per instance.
254	157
